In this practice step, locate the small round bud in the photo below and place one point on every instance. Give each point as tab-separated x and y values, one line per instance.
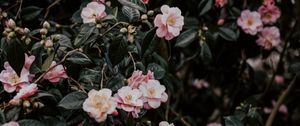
123	30
4	14
205	28
11	35
98	25
150	13
7	30
221	21
27	41
26	30
43	31
41	105
46	25
11	23
23	38
57	25
26	104
131	29
49	43
19	30
42	42
108	3
56	38
144	17
80	50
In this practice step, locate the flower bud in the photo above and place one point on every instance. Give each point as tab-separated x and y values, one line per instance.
46	25
43	31
204	28
11	23
131	29
15	102
42	42
220	21
49	43
7	30
19	30
150	13
11	35
26	30
27	41
144	17
80	50
26	104
23	38
4	14
123	30
55	38
108	3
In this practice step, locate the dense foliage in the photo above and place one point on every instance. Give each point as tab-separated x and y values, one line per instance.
149	62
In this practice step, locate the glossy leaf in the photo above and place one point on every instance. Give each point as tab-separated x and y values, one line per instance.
228	34
73	100
186	38
31	12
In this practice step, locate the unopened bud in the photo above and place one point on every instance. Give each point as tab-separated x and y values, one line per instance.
46	25
19	30
80	50
26	104
15	102
150	13
23	38
108	3
56	38
131	29
27	41
11	23
144	17
49	43
7	30
42	42
43	31
204	28
221	21
26	30
11	35
123	30
4	14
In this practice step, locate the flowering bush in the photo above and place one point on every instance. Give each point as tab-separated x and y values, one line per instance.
149	62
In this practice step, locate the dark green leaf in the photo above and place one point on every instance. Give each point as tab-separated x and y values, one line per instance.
73	100
186	38
13	114
76	17
117	51
89	78
85	32
48	61
147	39
132	14
63	40
294	67
159	72
205	6
232	121
116	82
136	4
30	122
205	53
2	117
79	58
227	34
31	12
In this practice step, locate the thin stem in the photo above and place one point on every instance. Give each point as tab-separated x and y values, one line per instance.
280	100
113	27
102	74
19	10
78	84
131	57
181	118
50	6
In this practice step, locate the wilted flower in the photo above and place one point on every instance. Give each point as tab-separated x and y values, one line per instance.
93	12
165	123
55	74
283	109
269	13
26	91
220	3
214	124
12	123
153	94
250	22
169	23
130	100
269	37
99	104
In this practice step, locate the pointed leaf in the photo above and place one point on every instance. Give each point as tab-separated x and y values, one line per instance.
186	38
73	100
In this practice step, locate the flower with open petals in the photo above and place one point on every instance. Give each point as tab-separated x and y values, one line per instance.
137	78
220	3
93	12
99	104
165	123
153	94
250	22
27	91
130	100
269	37
169	23
269	13
12	123
55	74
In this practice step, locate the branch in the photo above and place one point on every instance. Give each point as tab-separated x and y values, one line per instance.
50	6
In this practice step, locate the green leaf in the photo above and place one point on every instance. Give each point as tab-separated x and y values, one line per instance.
13	114
73	100
48	61
205	53
116	82
15	54
136	4
2	117
132	14
89	78
232	121
30	122
79	58
206	5
159	72
84	34
76	17
186	38
228	34
294	67
46	95
31	12
117	51
63	40
147	39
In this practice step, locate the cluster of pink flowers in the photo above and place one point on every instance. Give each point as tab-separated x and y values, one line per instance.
252	23
169	23
93	12
12	123
142	92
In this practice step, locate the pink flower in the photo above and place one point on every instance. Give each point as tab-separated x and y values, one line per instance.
130	100
279	79
49	43
27	91
99	104
199	84
165	123
10	79
55	74
214	124
153	94
269	13
220	3
93	12
145	1
269	37
12	123
169	23
148	76
268	2
283	109
250	22
137	78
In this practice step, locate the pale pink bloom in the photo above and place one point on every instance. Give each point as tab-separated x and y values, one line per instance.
165	123
279	79
214	124
26	91
153	94
130	100
93	12
199	84
136	79
269	13
12	123
283	108
10	79
49	43
269	37
169	23
55	74
99	104
250	22
148	76
145	1
268	2
220	3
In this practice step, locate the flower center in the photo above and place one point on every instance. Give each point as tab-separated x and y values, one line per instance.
268	15
171	20
249	22
128	99
151	92
14	79
268	42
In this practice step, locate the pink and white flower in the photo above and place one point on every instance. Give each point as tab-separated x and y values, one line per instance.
269	37
27	91
220	3
93	12
153	94
165	123
10	79
169	23
269	13
12	123
55	74
130	100
137	78
250	22
99	104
